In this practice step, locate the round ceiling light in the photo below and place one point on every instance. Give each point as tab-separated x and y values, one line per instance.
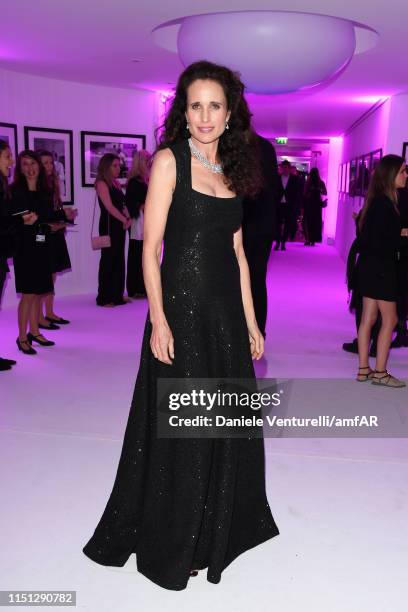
274	51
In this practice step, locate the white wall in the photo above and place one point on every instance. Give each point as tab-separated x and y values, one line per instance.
398	124
42	102
369	135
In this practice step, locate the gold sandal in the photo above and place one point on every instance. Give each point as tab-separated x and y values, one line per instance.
388	380
368	376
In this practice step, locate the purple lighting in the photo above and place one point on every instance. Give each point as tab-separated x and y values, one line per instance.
369	99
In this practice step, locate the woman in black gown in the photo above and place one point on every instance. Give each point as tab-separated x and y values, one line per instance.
378	245
187	504
114	220
312	207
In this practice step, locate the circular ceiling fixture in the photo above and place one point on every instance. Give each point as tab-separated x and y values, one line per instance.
275	51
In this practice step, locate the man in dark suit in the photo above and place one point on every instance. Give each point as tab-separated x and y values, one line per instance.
288	202
259	229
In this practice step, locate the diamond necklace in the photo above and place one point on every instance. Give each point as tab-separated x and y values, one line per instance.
203	160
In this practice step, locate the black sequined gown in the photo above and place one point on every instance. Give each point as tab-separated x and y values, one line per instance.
183	503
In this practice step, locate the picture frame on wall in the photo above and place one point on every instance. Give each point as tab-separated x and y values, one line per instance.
352	178
59	144
95	144
366	171
8	133
404	149
346	188
344	181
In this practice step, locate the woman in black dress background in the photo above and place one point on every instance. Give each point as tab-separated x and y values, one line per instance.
312	207
187	504
59	250
136	191
379	243
33	259
9	226
114	220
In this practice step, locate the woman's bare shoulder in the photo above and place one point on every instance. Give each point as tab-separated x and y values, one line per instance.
164	167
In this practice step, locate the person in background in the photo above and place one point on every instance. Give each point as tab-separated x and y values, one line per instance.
32	261
379	244
297	211
114	220
59	250
9	227
356	299
401	339
313	202
259	229
288	201
136	191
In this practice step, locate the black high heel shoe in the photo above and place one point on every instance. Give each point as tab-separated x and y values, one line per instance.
50	326
59	321
31	338
26	351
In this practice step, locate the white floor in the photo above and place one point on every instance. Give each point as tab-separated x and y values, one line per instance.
340	503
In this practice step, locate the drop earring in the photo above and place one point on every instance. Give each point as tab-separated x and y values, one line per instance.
187	126
227	126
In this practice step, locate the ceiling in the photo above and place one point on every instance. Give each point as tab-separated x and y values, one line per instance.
97	41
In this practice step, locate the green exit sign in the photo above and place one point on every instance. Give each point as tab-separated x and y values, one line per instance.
281	140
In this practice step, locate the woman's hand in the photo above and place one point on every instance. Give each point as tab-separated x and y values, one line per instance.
30	218
256	341
71	213
127	223
162	342
55	227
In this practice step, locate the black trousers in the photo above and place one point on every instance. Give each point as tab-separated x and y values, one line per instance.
134	276
257	250
111	277
3	274
284	222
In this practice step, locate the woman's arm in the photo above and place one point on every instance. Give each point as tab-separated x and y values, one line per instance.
323	188
159	195
255	336
103	192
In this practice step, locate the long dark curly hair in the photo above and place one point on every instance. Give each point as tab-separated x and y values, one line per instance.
238	147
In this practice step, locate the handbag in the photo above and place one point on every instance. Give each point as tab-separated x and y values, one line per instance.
99	242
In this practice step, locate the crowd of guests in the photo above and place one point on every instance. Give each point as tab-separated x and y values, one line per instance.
121	211
32	228
33	225
300	200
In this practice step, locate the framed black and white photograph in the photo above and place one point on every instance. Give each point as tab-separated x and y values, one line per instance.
352	178
95	144
59	144
8	133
